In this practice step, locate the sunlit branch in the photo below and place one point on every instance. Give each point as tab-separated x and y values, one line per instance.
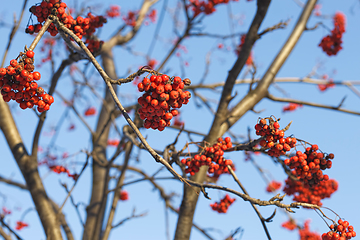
4	235
289	100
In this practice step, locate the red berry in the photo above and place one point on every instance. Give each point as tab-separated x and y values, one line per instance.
30	54
13	63
36	75
168	116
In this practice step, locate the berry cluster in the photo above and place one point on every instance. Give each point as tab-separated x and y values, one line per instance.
20	225
223	205
273	186
291	107
273	138
340	231
5	211
18	82
90	111
60	169
124	195
113	11
306	234
163	95
212	157
331	44
310	194
330	84
290	225
80	26
205	7
308	166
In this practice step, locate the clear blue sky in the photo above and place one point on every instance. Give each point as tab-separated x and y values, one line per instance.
332	131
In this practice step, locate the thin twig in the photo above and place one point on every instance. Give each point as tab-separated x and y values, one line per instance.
289	100
13	31
255	208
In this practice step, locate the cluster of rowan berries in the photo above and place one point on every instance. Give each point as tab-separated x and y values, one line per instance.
273	137
18	82
290	225
331	44
340	231
306	234
223	205
80	26
162	96
308	166
60	169
124	195
291	107
205	7
212	157
273	186
20	225
310	194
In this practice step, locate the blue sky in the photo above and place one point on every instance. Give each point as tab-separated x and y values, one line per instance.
332	131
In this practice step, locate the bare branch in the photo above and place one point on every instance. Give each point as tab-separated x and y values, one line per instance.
262	219
280	25
4	235
190	198
289	100
119	39
13	183
8	227
133	215
13	32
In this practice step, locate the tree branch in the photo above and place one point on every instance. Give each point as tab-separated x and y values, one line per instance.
289	100
190	197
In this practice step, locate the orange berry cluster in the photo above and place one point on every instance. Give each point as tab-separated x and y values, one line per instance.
340	231
306	234
212	157
162	96
205	7
310	194
20	225
124	195
273	137
60	169
273	186
290	225
80	26
331	44
18	82
308	166
223	205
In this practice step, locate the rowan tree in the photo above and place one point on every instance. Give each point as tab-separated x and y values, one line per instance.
123	118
